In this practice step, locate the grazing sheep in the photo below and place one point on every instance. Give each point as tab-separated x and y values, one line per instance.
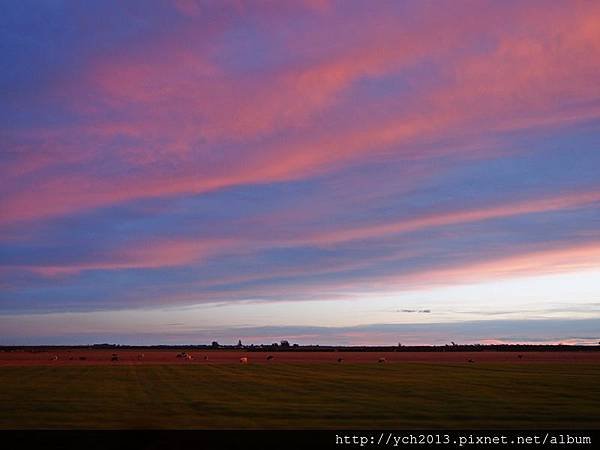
188	357
381	360
471	361
54	358
270	357
141	356
206	358
340	360
244	360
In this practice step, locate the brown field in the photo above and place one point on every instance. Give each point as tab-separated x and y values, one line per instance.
131	357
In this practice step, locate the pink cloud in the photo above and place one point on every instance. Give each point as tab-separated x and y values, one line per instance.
141	255
540	75
540	205
525	261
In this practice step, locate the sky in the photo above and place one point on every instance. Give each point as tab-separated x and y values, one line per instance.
330	172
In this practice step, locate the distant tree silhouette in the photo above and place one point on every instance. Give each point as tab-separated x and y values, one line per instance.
285	343
215	344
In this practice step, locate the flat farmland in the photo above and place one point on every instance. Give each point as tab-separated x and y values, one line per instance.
320	394
83	356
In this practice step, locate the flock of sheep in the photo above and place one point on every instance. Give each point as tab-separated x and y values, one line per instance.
243	359
186	356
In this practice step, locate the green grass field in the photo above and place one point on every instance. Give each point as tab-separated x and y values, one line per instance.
302	396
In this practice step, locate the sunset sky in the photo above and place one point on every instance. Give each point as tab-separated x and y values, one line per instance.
333	172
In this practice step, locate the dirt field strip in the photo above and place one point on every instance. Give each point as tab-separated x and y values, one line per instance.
131	357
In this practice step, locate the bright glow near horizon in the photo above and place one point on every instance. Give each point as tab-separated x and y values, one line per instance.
529	298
